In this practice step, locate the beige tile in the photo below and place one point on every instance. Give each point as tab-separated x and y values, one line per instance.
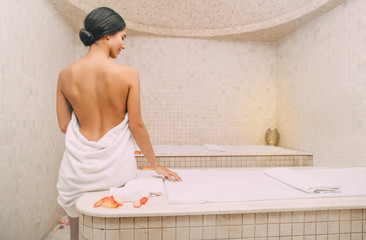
333	215
298	229
321	216
298	217
222	232
155	222
235	231
333	227
98	222
286	217
169	221
236	219
285	229
88	232
196	221
208	220
333	236
309	237
126	223
356	214
182	221
345	214
112	223
260	230
141	234
98	234
222	219
356	236
321	237
273	217
345	236
195	233
155	234
112	234
273	230
182	233
209	232
248	218
356	226
309	228
141	222
88	221
310	216
168	233
321	228
248	230
345	226
260	218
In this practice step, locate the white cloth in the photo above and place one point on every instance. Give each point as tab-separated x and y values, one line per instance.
236	185
301	181
147	183
92	166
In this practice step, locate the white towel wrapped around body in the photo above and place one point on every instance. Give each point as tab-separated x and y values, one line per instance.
301	181
92	166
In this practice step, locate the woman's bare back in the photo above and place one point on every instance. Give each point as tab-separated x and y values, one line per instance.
97	92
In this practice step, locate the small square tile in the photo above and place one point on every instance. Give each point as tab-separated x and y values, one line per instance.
260	218
333	227
98	234
345	215
111	234
273	217
309	228
248	218
356	226
209	232
321	237
141	222
345	226
235	231
222	232
112	223
169	221
321	216
182	233
248	230
196	220
333	236
286	217
209	220
356	236
298	217
260	230
141	234
88	221
126	223
168	233
356	214
182	221
222	219
88	232
273	229
321	228
310	216
333	215
155	234
236	219
155	222
285	229
298	229
195	233
98	222
345	236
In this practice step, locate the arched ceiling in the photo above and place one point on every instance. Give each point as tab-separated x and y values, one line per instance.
256	20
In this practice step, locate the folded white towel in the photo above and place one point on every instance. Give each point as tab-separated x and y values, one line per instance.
301	181
214	148
92	166
147	183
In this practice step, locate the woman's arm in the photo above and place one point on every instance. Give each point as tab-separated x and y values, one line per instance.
138	128
63	107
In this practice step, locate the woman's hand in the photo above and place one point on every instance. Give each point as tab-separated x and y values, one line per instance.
167	173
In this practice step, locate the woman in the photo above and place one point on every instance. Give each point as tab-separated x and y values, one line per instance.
98	107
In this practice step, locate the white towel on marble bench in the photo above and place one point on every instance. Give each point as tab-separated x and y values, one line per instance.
147	183
92	166
214	148
301	181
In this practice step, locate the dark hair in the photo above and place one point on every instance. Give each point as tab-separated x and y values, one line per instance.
100	22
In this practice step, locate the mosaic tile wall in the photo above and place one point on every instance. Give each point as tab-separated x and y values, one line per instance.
231	161
310	225
321	85
196	91
34	48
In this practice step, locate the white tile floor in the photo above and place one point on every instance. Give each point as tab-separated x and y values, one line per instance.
60	234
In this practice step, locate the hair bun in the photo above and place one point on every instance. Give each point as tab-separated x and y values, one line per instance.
86	37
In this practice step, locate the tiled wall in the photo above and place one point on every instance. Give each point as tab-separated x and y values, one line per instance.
321	86
35	45
198	91
325	224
